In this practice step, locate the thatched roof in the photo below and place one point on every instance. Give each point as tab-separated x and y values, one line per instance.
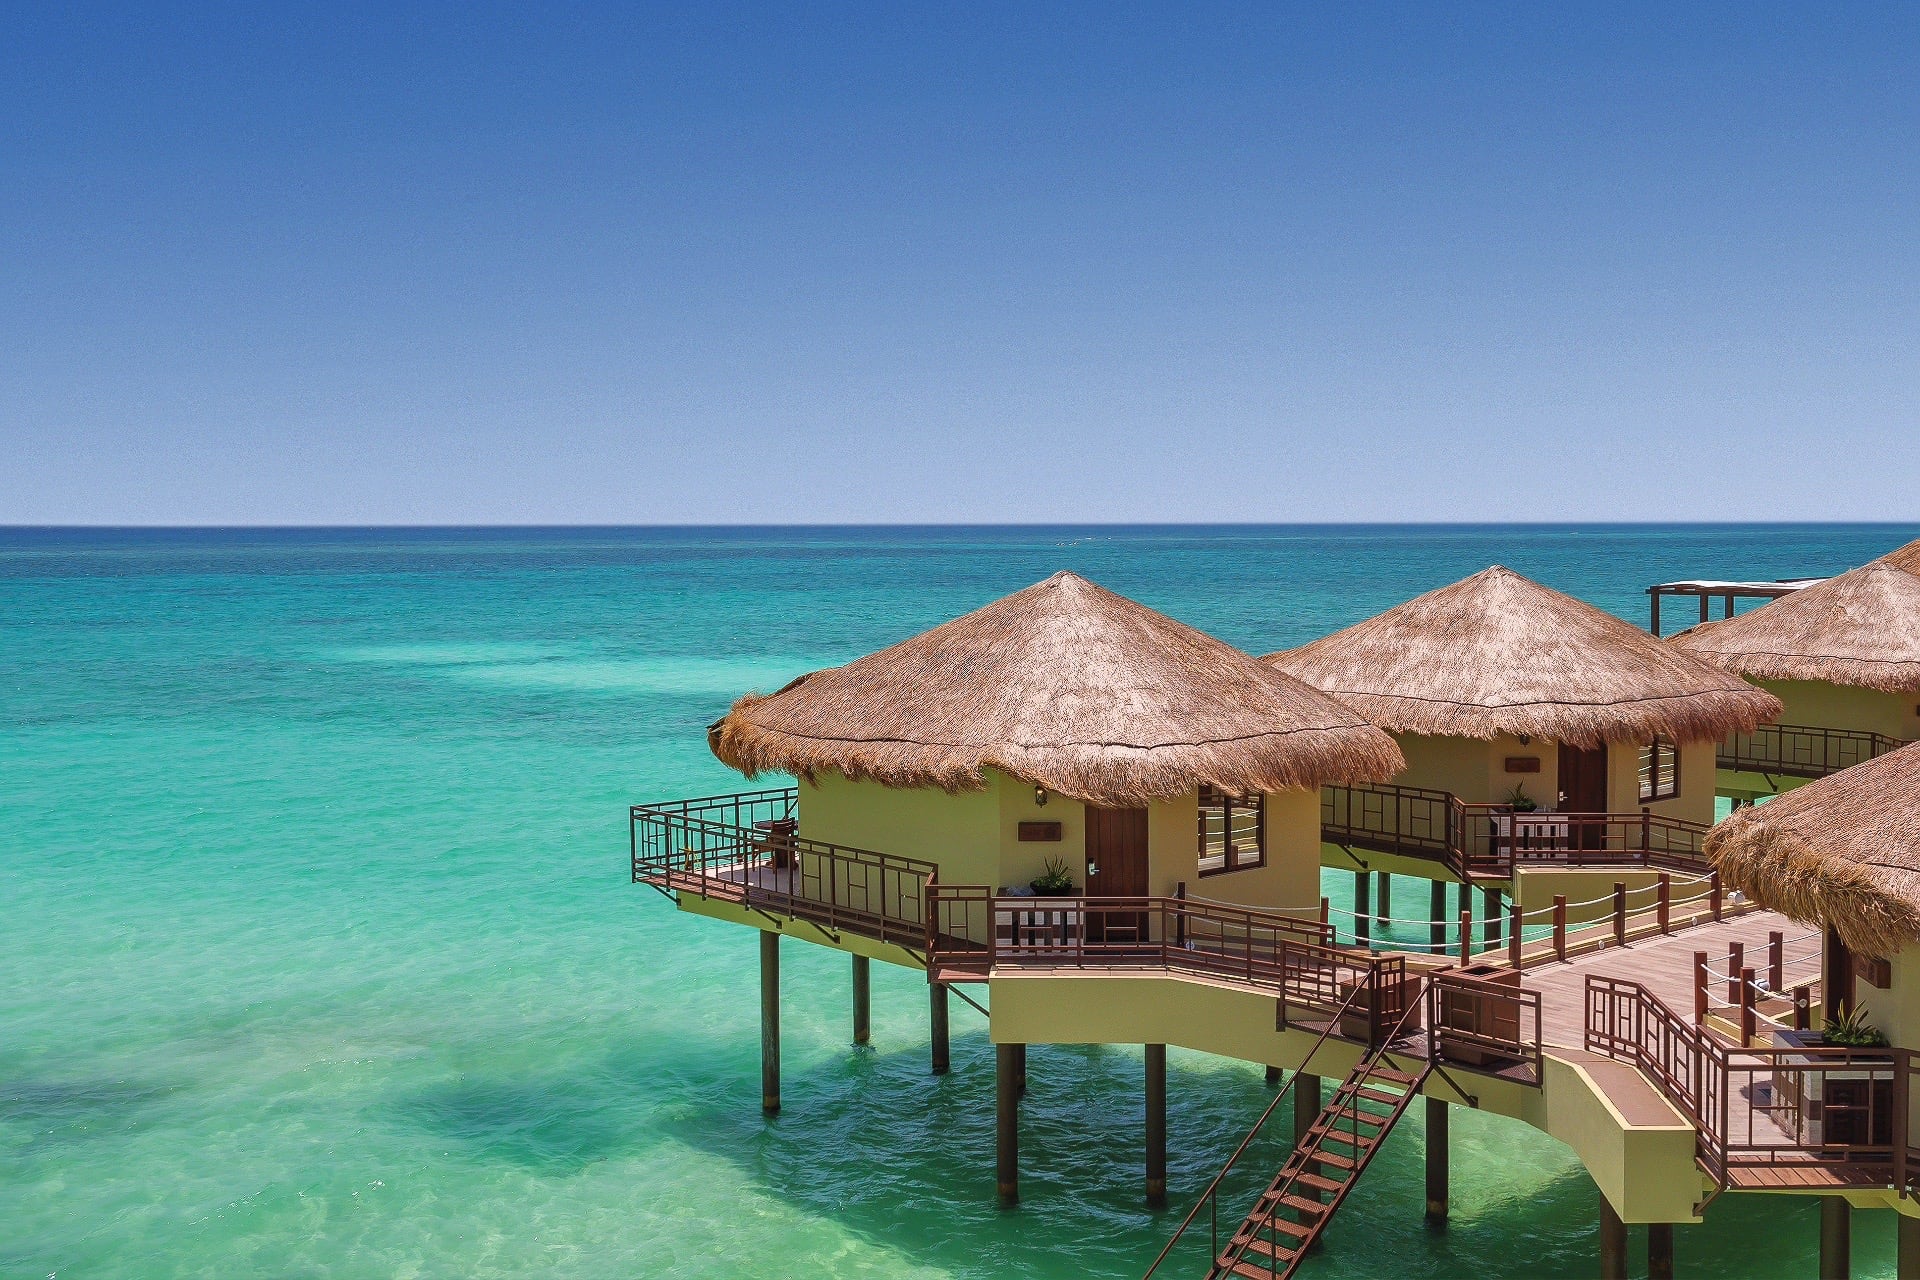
1497	653
1067	685
1907	557
1860	628
1843	851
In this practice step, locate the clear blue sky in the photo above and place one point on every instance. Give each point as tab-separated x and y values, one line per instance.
959	263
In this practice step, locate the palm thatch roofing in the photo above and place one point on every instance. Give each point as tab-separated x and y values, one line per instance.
1906	558
1859	628
1498	653
1843	851
1068	686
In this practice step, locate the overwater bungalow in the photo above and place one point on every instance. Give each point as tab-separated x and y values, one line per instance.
1552	749
1108	823
1842	655
1842	855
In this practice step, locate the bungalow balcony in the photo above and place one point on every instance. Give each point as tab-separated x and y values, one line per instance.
1493	841
1801	751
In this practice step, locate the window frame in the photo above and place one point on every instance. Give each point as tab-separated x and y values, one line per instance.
1647	777
1233	857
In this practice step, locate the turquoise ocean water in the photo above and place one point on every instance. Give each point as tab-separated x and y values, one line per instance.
318	956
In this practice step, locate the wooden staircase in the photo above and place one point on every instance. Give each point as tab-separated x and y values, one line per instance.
1303	1197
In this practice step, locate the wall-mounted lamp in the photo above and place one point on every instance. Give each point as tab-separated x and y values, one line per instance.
1525	739
1040	796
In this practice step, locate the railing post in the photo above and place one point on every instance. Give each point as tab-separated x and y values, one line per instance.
1646	833
1748	1024
1714	900
1736	956
1466	934
1180	918
1802	1009
1513	939
1699	987
1776	960
1619	914
1666	903
1902	1082
1560	926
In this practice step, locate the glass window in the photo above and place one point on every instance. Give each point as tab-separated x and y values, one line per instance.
1233	832
1659	770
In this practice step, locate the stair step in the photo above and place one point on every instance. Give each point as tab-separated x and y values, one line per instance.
1304	1205
1379	1095
1255	1271
1352	1113
1320	1133
1334	1159
1270	1249
1387	1073
1319	1183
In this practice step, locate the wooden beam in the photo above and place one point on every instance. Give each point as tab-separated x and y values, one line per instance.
1156	1126
1659	1251
1906	1264
1836	1238
937	1017
1613	1243
862	1000
1006	1147
1436	1162
769	1021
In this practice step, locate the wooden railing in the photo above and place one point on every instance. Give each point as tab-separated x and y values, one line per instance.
1484	1023
1763	1108
1802	751
1492	840
747	849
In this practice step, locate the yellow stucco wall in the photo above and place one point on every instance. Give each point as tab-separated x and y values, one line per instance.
973	836
1475	770
1839	706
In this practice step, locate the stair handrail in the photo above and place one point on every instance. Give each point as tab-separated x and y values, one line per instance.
1362	1071
1213	1187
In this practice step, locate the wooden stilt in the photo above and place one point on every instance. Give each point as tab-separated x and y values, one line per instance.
1613	1243
1273	1075
1156	1126
1306	1110
1383	900
1020	1061
862	1000
1490	927
1436	1162
1362	907
1836	1238
1906	1265
1006	1147
769	1021
1437	906
937	994
1659	1251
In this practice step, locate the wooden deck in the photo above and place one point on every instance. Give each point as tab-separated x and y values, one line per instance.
1663	965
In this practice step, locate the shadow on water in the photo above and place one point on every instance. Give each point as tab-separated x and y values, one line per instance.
40	1115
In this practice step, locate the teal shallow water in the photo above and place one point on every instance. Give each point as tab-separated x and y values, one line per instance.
318	956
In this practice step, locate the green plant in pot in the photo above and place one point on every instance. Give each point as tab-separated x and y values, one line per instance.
1519	801
1053	880
1851	1030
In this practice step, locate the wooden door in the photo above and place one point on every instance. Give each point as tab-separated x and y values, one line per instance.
1116	868
1583	781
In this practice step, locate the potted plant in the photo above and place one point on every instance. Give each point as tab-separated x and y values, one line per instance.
1519	801
1053	880
1850	1030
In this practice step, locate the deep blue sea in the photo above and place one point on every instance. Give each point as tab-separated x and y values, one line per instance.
318	956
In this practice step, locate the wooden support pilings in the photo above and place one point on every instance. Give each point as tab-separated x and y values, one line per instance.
769	1021
1438	909
1436	1162
1613	1243
1156	1125
862	1000
1383	900
1006	1145
1466	935
1659	1251
1836	1238
1273	1075
1490	917
1362	907
1020	1062
1906	1265
937	1017
1306	1110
